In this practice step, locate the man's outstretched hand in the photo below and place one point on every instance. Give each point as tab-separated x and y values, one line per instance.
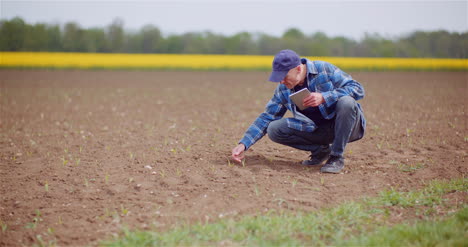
238	153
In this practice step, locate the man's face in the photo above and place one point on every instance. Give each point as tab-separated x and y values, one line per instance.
292	78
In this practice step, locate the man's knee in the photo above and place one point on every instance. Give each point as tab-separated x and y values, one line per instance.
346	104
274	130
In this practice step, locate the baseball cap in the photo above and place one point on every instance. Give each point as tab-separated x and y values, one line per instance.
282	63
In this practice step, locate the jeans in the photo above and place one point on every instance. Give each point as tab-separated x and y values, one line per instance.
345	128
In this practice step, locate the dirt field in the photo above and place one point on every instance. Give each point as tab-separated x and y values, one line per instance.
84	153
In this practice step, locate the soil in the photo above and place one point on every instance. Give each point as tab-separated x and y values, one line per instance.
86	153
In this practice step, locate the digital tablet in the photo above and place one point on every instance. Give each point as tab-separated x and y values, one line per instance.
298	98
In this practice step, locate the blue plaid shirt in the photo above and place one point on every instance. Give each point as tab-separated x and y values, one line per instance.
322	77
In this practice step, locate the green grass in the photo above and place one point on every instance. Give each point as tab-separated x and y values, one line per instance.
353	223
450	232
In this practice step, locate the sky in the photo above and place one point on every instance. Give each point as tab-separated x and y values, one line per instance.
348	18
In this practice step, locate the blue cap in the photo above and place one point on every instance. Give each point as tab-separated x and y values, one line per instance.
284	61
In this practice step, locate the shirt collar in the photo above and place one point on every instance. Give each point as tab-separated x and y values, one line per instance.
310	66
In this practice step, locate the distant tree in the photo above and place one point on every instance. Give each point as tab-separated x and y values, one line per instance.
115	35
294	39
240	43
95	40
269	45
341	47
151	39
54	38
35	38
12	34
317	45
16	35
73	38
174	44
293	33
215	44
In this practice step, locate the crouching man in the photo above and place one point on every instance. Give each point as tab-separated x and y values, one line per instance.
331	117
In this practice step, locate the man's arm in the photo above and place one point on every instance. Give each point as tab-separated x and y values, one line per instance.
344	85
274	110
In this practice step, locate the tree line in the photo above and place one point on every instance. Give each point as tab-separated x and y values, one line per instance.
17	35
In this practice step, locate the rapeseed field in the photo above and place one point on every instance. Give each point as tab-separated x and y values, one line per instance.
209	62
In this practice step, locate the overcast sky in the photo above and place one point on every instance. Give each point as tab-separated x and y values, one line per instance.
347	18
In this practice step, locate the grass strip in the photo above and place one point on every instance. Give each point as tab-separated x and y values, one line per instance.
361	223
450	232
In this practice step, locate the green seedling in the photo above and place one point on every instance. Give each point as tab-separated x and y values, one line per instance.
294	182
379	146
46	186
410	167
35	221
257	192
281	201
393	162
77	161
322	181
243	163
123	210
130	180
107	213
64	161
408	131
229	162
178	172
162	173
86	182
106	178
60	222
4	226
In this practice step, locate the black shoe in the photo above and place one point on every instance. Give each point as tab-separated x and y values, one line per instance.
316	159
333	165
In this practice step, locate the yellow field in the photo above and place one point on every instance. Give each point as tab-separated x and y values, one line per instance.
210	62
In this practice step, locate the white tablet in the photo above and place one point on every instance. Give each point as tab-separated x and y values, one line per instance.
298	98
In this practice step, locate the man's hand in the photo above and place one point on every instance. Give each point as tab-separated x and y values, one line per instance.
314	99
238	153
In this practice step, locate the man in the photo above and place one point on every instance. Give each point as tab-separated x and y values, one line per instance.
331	120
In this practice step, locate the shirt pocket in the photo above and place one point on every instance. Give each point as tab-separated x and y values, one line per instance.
324	86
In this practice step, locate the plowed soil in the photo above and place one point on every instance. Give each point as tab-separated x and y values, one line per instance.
85	153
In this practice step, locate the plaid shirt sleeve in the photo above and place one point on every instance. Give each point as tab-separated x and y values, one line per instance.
274	110
344	85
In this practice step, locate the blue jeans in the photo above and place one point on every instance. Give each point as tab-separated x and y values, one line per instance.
345	128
